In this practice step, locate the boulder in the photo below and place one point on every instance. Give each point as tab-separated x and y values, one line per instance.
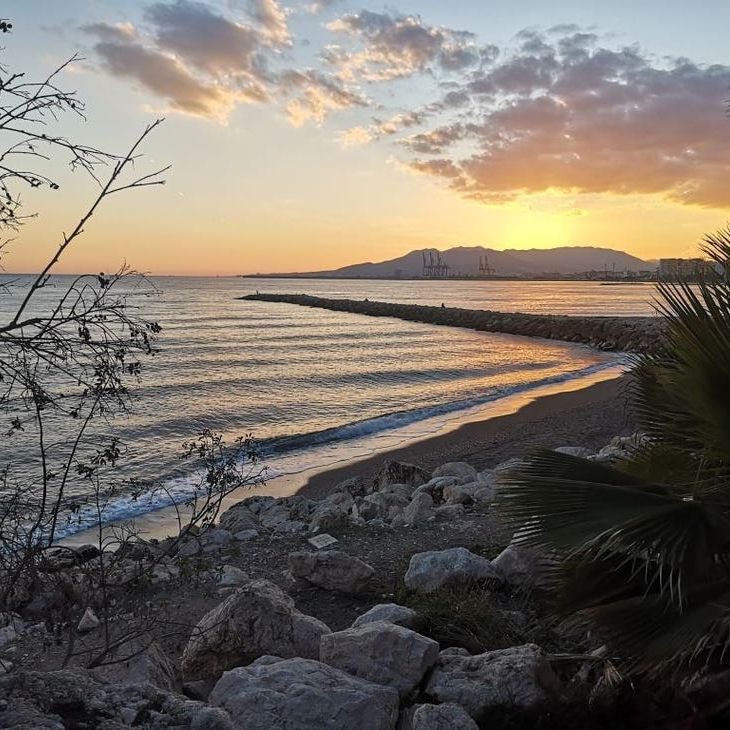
164	572
152	666
354	486
332	570
404	491
449	512
333	511
396	472
275	516
239	517
229	576
89	621
419	510
435	487
390	612
384	505
429	571
258	619
290	527
301	694
246	535
519	677
488	477
11	627
438	717
381	652
61	557
215	539
519	566
458	469
77	699
461	493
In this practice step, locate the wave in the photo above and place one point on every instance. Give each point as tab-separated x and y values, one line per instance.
398	419
181	487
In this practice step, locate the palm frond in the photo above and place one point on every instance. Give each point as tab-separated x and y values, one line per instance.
580	508
651	634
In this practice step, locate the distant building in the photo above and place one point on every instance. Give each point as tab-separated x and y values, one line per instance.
674	269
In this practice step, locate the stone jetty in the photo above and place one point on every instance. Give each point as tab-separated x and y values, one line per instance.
623	334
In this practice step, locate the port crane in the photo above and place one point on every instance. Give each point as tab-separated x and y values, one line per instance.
434	267
484	268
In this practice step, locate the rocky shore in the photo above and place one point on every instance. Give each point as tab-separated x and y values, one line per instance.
398	601
623	334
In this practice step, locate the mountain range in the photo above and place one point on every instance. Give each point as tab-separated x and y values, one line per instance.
465	261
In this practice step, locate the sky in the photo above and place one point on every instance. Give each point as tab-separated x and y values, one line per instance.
311	134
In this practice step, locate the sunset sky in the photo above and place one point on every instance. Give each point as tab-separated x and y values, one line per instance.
309	135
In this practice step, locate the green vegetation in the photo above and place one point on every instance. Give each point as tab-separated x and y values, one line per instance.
476	619
645	544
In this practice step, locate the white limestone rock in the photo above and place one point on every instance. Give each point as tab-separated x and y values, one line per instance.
229	576
429	571
519	677
246	535
239	517
419	510
397	472
449	512
458	469
89	621
11	627
520	567
215	540
332	570
381	652
448	716
390	612
332	512
258	619
301	694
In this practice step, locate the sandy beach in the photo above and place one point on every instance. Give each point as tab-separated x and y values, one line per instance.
587	417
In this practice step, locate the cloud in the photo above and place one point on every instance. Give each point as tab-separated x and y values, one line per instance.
558	110
315	95
164	76
272	19
112	33
564	113
395	46
354	137
210	43
203	62
320	6
195	58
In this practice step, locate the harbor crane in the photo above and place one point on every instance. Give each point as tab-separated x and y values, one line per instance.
434	267
484	268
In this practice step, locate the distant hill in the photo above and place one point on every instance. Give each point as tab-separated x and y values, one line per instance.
464	260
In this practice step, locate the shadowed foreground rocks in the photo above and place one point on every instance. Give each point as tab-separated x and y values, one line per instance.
623	334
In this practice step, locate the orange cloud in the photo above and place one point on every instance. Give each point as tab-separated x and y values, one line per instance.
567	114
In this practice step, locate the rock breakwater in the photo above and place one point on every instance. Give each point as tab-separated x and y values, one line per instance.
622	334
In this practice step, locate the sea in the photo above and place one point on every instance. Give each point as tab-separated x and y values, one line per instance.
317	388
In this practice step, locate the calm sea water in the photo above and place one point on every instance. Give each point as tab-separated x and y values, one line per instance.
312	384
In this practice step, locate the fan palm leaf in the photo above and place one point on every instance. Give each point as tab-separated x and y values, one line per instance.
644	546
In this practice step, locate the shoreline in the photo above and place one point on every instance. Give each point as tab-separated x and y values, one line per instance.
508	426
550	420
